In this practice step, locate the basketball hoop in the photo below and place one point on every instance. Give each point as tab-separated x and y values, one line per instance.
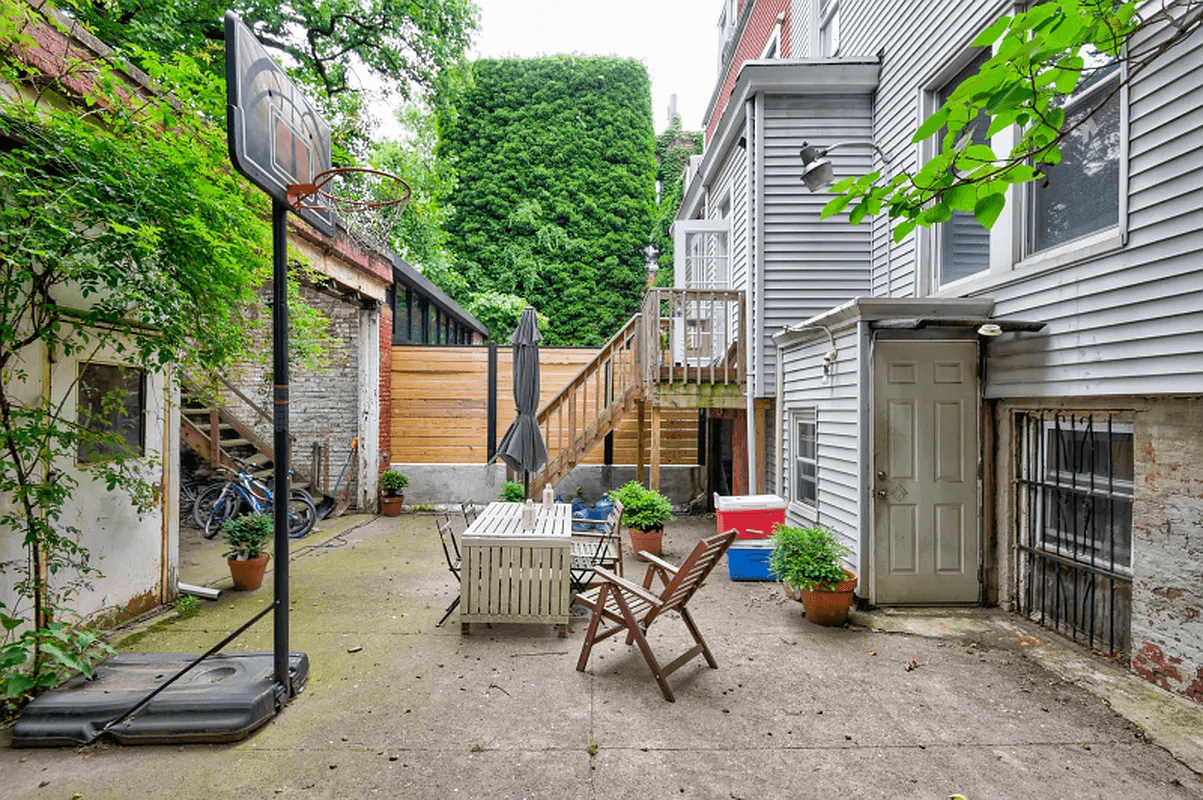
369	201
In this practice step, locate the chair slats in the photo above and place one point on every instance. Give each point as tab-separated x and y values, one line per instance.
624	606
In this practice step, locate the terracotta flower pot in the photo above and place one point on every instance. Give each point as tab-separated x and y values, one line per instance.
646	541
248	573
391	506
829	605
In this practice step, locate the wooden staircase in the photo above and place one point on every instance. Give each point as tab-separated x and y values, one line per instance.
216	433
681	350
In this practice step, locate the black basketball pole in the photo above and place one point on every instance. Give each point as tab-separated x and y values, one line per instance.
282	481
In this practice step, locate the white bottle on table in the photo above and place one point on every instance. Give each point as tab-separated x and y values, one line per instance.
528	516
549	498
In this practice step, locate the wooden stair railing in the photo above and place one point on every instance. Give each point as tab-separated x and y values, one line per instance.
591	405
682	338
214	431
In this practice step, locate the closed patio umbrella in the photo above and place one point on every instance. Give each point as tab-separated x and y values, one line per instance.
522	446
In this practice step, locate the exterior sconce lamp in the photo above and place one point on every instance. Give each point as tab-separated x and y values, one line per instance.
651	253
816	167
989	329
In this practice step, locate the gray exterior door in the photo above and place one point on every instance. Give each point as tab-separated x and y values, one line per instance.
925	423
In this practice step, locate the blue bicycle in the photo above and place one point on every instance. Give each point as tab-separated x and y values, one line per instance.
244	493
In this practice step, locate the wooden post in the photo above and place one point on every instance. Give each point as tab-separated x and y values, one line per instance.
491	411
739	453
640	441
655	484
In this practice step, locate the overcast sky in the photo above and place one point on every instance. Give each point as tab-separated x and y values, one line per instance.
675	39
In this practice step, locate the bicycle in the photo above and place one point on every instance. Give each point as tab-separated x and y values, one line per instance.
244	492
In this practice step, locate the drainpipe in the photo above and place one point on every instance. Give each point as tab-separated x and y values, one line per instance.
749	322
779	408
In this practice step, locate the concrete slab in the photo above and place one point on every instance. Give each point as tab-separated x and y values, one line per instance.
901	704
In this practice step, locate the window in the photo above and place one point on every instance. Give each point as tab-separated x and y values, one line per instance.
829	28
962	244
1074	526
806	472
110	412
1081	194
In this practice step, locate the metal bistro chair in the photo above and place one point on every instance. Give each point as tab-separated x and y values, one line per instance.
469	511
454	561
627	607
596	548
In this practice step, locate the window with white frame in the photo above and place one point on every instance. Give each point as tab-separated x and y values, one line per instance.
110	411
1080	195
962	244
727	18
829	28
805	457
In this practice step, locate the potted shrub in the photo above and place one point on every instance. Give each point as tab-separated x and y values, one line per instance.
810	561
246	541
392	483
645	513
512	492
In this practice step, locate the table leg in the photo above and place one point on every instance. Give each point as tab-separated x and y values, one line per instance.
562	630
465	629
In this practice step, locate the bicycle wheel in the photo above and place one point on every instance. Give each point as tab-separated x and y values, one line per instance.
227	506
302	514
202	507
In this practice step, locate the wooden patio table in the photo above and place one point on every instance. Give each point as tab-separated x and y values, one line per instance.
511	574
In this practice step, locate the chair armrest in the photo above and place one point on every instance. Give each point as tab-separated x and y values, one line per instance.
591	535
624	585
656	561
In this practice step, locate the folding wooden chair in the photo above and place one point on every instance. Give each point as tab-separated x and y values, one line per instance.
454	560
633	608
596	548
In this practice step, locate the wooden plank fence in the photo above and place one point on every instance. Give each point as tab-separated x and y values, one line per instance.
440	401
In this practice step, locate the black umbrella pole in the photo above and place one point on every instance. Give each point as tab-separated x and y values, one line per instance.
282	482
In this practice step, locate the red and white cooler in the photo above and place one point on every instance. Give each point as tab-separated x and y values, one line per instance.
752	515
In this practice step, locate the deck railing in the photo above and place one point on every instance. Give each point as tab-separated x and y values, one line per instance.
696	337
681	336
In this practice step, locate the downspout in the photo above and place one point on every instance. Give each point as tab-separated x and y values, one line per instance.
750	272
779	408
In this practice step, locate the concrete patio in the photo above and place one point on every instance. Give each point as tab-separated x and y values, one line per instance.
909	703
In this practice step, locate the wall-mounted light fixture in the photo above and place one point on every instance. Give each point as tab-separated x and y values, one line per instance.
817	171
989	329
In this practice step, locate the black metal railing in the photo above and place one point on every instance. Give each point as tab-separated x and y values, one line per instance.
1074	526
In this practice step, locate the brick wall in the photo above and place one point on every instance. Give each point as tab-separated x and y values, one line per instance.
323	406
751	45
1167	543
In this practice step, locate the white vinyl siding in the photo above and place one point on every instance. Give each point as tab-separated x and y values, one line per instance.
837	407
1129	322
810	265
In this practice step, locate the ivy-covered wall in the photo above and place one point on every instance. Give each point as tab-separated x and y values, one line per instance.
556	187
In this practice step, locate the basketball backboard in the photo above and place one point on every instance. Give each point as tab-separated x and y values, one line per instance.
277	138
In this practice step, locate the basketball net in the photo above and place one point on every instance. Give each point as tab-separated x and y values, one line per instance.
369	202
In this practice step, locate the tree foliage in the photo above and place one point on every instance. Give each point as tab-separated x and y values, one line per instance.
1040	57
123	232
555	192
674	148
403	44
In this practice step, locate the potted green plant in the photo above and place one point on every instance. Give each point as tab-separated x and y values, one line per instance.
246	542
645	512
392	483
512	492
810	561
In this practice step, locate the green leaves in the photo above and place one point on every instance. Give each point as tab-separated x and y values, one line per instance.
1039	58
555	196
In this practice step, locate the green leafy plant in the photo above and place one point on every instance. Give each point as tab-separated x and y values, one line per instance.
187	605
247	536
1040	57
806	558
643	509
38	659
557	208
392	482
512	492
